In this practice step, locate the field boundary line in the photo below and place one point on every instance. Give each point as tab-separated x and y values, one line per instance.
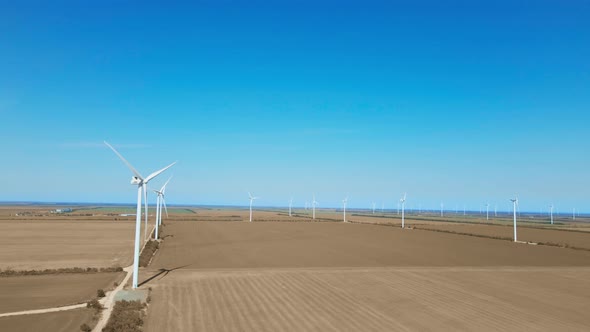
42	311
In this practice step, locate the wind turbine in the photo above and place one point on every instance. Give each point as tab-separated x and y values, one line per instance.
141	183
373	207
574	214
313	204
487	211
514	205
442	209
496	210
403	201
551	212
344	201
251	200
159	201
290	205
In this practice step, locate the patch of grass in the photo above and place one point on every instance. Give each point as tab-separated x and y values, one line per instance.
94	304
127	316
8	272
148	252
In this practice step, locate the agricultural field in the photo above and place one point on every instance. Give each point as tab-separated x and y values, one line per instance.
37	240
558	236
46	244
327	276
63	321
20	293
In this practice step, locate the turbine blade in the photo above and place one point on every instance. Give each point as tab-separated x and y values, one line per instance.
165	208
156	173
125	161
164	186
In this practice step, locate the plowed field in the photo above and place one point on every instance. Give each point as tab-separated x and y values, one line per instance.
279	276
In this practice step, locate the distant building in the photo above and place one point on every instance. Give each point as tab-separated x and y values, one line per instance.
64	210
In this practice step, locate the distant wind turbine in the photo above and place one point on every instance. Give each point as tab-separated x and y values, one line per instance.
487	211
442	209
159	201
141	183
514	205
313	204
290	205
373	207
403	202
551	212
252	199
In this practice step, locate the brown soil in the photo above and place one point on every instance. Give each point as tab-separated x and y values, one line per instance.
373	299
325	244
39	292
72	243
327	276
63	321
561	237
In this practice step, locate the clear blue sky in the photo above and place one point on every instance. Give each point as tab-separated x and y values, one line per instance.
464	102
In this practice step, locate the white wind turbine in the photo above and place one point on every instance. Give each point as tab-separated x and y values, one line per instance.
514	205
313	204
252	199
442	206
141	183
344	201
374	207
403	201
551	212
290	205
159	201
487	211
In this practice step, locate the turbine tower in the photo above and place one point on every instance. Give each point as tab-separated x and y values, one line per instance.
252	199
141	183
290	205
373	207
514	205
344	201
159	201
551	212
487	211
403	202
442	209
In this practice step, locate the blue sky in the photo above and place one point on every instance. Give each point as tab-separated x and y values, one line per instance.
463	102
